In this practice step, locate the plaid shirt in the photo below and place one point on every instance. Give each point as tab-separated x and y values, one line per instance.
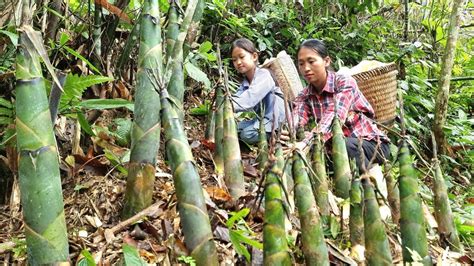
353	109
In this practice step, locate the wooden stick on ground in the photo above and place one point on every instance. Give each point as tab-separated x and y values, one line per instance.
109	234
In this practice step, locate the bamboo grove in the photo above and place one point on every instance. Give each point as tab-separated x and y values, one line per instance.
316	186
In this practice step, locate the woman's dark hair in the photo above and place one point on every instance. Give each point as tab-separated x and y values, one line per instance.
246	44
315	45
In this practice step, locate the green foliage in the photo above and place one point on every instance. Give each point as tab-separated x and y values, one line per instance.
20	248
188	260
75	86
131	256
87	259
202	109
241	234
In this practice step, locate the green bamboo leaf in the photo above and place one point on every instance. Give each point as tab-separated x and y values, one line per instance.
236	216
131	256
84	124
197	74
244	239
101	104
6	112
6	103
13	36
5	120
79	56
239	248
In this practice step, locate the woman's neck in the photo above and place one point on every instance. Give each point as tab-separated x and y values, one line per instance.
250	74
319	85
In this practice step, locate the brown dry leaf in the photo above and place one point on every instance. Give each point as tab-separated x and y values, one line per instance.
250	170
148	256
122	90
218	193
114	10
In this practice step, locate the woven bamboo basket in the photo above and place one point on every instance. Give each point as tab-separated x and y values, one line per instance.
285	74
379	86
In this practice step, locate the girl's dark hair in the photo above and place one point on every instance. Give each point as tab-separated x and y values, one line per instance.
315	45
246	44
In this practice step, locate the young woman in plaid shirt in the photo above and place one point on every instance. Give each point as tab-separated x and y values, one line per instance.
329	93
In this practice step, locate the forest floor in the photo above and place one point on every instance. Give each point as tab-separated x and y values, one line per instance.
93	191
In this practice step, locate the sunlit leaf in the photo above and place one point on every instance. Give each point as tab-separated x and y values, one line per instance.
197	74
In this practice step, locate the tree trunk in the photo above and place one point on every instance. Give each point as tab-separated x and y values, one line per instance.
442	97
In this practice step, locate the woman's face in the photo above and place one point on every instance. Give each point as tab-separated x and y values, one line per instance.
313	67
243	60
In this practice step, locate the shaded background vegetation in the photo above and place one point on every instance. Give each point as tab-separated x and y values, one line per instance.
411	33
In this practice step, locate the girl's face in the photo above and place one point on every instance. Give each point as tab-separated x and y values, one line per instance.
313	67
243	60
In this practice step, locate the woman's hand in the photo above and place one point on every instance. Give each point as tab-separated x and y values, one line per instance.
300	146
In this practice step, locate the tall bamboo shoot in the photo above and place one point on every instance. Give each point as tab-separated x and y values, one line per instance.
146	125
342	170
376	242
312	237
275	248
412	223
38	163
191	203
233	168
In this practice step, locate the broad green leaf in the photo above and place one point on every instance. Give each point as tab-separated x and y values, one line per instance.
13	36
87	259
63	39
205	47
101	104
131	256
197	74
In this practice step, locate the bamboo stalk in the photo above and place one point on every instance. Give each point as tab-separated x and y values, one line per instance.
219	132
191	202
393	193
312	237
442	210
412	224
342	170
262	157
319	177
211	126
356	218
146	127
275	248
376	242
38	162
233	168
